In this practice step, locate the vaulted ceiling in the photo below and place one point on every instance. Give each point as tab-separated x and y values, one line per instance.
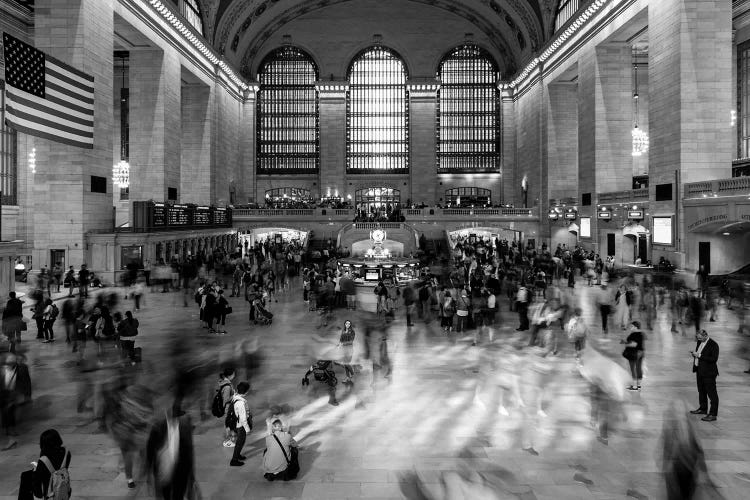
516	28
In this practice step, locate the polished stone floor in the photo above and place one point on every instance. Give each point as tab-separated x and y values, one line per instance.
433	427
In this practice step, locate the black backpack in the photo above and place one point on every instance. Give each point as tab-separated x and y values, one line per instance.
54	312
230	422
218	407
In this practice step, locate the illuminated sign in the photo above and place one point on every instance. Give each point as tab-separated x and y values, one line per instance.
585	227
663	230
604	215
635	214
553	215
571	214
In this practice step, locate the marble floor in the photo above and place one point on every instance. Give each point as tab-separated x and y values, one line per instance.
432	431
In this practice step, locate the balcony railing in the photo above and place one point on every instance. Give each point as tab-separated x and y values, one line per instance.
624	196
734	186
409	213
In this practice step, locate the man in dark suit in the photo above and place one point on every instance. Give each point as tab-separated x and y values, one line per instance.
705	356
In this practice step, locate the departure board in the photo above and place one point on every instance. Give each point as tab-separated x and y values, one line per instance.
201	216
160	214
178	215
220	217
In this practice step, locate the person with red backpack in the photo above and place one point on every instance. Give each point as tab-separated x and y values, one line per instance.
49	477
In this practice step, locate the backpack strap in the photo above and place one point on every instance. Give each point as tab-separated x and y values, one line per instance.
282	448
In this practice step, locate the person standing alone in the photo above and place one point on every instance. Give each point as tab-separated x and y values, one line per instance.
705	356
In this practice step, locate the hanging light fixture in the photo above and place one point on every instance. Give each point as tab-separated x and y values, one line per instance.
640	138
121	171
121	174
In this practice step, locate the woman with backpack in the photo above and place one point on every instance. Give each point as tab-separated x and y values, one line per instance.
221	400
49	477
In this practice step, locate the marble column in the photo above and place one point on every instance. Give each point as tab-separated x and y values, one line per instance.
155	124
422	141
195	161
79	33
332	112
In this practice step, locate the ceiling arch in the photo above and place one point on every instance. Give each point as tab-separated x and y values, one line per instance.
517	28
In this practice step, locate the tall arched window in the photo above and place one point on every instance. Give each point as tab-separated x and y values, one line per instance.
377	113
288	132
468	117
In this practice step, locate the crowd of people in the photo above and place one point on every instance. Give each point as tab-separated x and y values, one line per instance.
475	293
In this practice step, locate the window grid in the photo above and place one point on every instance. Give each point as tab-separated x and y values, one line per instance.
8	156
566	10
468	116
374	198
288	121
377	114
192	13
468	196
291	193
743	100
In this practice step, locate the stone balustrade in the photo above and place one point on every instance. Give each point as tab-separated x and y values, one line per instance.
411	214
734	186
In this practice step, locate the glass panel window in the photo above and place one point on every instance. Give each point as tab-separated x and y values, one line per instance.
377	114
743	100
288	197
468	118
566	10
288	129
191	11
468	197
8	155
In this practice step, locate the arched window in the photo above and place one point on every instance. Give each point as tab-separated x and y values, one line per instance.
377	113
287	123
191	11
468	117
468	197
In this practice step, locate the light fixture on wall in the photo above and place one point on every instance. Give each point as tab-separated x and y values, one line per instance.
32	160
640	138
121	174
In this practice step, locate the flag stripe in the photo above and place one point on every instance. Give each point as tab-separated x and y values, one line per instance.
50	102
81	96
69	68
69	93
32	107
47	133
57	99
84	132
51	71
46	97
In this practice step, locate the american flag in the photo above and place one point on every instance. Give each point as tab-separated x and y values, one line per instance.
47	98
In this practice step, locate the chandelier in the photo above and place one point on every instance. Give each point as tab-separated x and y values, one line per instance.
640	138
121	174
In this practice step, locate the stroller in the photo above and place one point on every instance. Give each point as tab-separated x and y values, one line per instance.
262	315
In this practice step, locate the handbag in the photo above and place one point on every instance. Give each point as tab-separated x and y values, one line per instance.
292	467
228	310
630	353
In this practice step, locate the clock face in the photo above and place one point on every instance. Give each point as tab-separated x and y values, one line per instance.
378	235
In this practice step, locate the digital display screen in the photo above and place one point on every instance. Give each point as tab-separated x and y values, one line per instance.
663	230
585	227
571	215
372	275
605	215
160	214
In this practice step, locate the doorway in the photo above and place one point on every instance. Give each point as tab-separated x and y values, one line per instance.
56	256
643	248
704	255
610	244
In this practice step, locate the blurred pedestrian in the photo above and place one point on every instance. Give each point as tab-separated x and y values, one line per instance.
170	458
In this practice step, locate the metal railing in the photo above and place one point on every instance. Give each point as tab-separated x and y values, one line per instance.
734	186
623	196
409	213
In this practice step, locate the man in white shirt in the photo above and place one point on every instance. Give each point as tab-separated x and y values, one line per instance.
243	424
